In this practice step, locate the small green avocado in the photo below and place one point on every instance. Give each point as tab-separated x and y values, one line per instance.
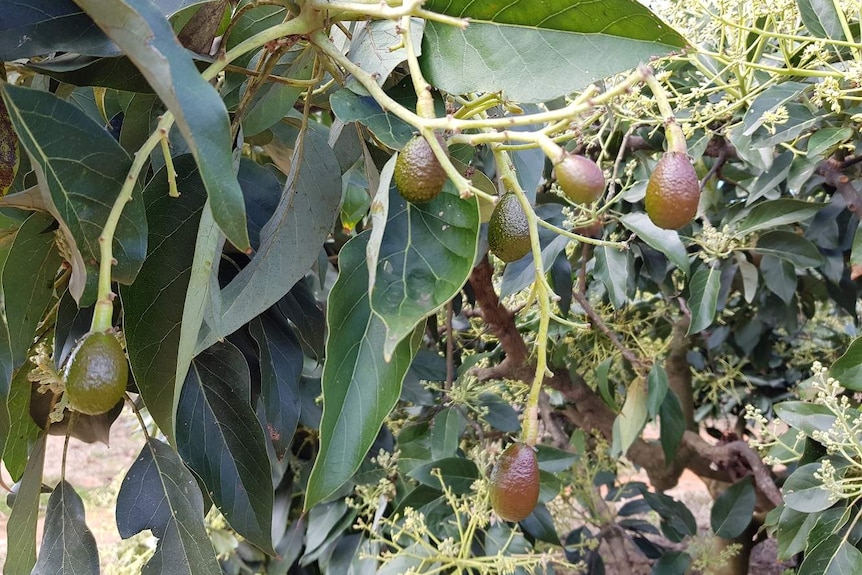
97	373
508	232
419	176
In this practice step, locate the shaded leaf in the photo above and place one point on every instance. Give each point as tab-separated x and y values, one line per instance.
793	536
732	510
833	556
657	386
613	268
665	241
631	419
672	563
455	472
847	369
676	519
359	387
775	213
504	45
10	151
81	169
389	129
40	27
449	424
703	298
21	527
554	460
804	492
147	38
68	545
23	432
791	247
274	101
158	493
779	276
806	417
221	440
371	47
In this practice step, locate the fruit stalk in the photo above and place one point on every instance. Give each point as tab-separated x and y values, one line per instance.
673	133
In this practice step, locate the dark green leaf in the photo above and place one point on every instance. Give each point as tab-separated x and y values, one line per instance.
37	27
613	268
792	535
419	257
501	415
275	101
261	191
732	510
676	519
604	384
768	100
847	369
554	460
68	546
779	276
804	492
389	129
833	556
791	247
657	386
359	387
775	213
455	472
221	440
154	307
77	69
21	528
301	307
290	241
822	141
504	45
822	18
540	525
147	38
805	416
160	494
23	433
703	298
672	563
665	241
280	370
449	424
81	169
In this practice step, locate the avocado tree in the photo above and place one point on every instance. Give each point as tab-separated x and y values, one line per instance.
411	287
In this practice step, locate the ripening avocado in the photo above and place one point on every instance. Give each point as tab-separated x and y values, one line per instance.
419	176
673	192
515	482
580	178
96	374
508	232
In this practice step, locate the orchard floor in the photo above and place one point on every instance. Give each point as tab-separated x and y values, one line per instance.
96	472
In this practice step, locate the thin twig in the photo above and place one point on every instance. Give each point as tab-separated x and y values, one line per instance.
636	362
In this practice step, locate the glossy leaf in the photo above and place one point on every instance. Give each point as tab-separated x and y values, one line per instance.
804	492
733	509
665	241
847	369
449	424
147	38
81	169
21	527
68	545
455	472
775	213
281	362
504	45
389	129
359	387
290	241
672	425
703	299
806	417
423	258
833	556
791	247
154	307
657	386
792	537
160	494
221	440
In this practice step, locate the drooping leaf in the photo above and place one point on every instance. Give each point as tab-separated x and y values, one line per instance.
804	492
274	101
792	538
281	362
449	424
422	257
39	27
657	386
732	510
672	425
146	37
223	443
503	45
704	286
21	528
665	241
154	307
290	241
23	433
613	268
160	494
833	556
677	520
68	545
359	387
847	369
81	169
631	419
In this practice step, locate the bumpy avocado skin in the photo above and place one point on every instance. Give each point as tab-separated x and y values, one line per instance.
580	178
515	483
418	175
508	231
97	374
673	192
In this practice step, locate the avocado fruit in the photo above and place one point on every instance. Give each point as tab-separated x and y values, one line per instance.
673	192
515	482
418	175
96	374
580	178
508	231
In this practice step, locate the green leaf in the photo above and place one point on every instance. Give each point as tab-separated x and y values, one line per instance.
804	416
822	19
703	298
155	306
775	213
23	432
833	556
68	545
554	43
449	424
779	276
790	247
631	420
21	527
160	494
81	169
672	425
290	241
847	369
804	492
554	460
421	258
665	241
604	384
792	535
371	47
389	129
146	37
732	510
359	387
677	522
822	141
613	268
222	442
281	362
657	386
750	277
455	472
768	101
672	563
274	101
37	27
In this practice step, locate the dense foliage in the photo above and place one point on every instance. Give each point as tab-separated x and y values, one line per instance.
325	373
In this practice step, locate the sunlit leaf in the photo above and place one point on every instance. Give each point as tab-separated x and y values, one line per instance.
833	556
631	419
665	241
